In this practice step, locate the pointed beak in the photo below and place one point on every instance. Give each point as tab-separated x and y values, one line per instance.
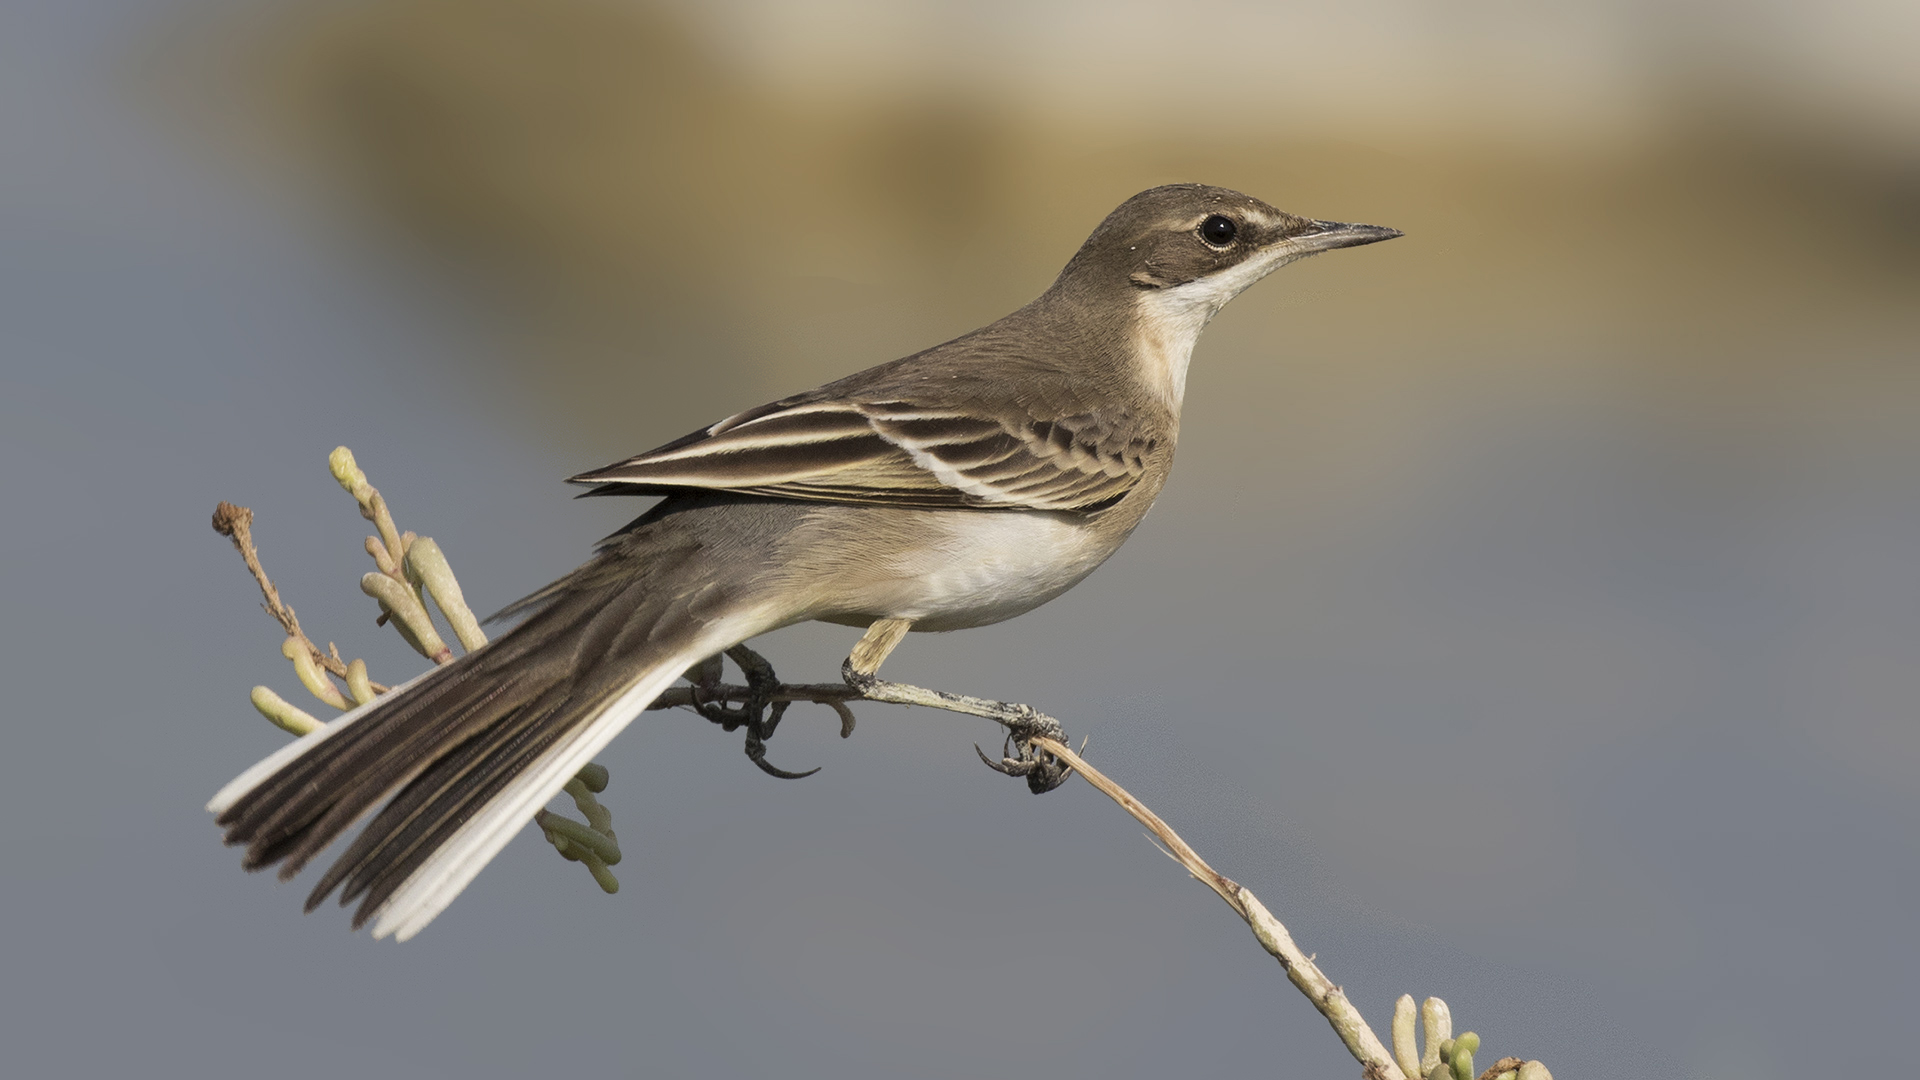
1327	235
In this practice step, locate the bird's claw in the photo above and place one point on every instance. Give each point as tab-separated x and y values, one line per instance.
757	748
1043	771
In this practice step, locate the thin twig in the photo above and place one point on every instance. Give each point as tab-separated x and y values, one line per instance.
1009	714
236	524
1273	936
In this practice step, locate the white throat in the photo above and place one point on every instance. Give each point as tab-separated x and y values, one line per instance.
1170	320
1167	328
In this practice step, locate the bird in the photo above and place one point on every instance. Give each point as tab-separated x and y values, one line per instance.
956	487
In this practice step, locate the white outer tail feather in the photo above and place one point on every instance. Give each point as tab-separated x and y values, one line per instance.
431	887
274	762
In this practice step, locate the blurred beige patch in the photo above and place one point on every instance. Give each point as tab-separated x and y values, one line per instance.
621	177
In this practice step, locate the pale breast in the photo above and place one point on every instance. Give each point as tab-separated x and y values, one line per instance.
947	570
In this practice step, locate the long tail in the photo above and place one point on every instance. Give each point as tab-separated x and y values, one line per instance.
471	750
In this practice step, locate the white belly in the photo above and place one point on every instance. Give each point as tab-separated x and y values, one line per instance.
971	569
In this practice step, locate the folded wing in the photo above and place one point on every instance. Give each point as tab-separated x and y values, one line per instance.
895	453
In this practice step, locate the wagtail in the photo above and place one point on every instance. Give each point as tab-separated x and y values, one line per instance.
956	487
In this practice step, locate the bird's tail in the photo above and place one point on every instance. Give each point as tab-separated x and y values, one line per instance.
469	751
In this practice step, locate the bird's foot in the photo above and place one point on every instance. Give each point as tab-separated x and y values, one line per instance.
1019	757
760	714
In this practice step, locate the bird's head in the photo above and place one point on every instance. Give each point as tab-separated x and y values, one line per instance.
1171	257
1204	243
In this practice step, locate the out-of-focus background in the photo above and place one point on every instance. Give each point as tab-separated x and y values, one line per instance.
1533	618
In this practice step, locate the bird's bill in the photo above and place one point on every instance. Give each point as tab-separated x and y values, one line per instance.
1327	235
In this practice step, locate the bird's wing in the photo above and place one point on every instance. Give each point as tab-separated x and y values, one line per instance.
896	453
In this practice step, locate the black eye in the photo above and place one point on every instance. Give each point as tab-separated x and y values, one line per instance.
1218	231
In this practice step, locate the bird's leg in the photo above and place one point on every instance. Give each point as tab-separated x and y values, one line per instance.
1024	723
876	645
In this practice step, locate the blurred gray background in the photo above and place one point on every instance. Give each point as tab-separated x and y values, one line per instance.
1533	618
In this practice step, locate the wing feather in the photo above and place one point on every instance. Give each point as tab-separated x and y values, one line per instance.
895	453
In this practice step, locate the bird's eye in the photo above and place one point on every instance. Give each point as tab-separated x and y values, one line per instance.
1218	231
